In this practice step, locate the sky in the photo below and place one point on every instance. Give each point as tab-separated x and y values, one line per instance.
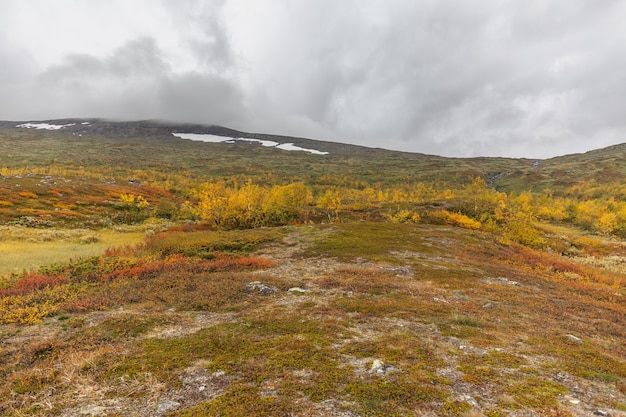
515	78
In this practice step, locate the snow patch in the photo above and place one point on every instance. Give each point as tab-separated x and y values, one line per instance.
292	147
44	126
268	143
202	137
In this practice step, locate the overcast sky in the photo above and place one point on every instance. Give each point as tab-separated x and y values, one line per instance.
519	78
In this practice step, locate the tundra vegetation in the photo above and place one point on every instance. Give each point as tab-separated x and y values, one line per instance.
144	275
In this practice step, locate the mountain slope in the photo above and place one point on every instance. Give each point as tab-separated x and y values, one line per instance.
153	141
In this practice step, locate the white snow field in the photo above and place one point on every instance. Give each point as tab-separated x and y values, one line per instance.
201	137
44	126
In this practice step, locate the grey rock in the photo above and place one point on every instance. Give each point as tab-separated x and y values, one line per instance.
601	413
261	288
92	410
297	290
489	305
574	339
400	271
507	281
469	400
383	369
167	405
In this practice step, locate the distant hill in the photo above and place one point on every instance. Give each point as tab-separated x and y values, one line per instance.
154	142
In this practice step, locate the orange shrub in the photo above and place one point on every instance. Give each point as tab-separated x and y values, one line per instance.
27	194
32	282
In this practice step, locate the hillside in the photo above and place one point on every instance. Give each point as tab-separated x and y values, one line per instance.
147	275
152	142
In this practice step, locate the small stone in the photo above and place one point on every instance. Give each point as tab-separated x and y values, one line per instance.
297	290
377	364
260	287
167	405
601	413
507	281
571	400
469	400
574	339
92	410
400	271
488	305
380	368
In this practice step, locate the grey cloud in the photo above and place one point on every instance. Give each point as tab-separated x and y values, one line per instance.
135	81
16	65
204	31
460	78
436	92
200	97
137	58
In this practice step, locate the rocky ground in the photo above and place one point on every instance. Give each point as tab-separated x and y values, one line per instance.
485	343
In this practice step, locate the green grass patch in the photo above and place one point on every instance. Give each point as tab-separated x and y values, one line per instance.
371	240
488	368
121	327
535	392
242	400
205	243
256	349
400	305
585	360
399	396
464	327
371	281
404	350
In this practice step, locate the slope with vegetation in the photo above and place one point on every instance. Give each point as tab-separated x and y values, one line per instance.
196	279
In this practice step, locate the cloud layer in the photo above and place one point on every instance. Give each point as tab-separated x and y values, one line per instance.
458	78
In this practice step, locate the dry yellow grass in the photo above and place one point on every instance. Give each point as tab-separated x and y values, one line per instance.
28	249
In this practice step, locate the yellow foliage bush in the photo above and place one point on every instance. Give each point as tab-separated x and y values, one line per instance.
459	220
519	228
403	216
607	223
33	307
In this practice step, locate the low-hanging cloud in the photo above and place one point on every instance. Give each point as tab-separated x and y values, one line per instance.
135	81
461	78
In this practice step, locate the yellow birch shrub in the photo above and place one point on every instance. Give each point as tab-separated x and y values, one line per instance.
330	201
459	220
403	216
213	202
607	223
285	203
32	308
